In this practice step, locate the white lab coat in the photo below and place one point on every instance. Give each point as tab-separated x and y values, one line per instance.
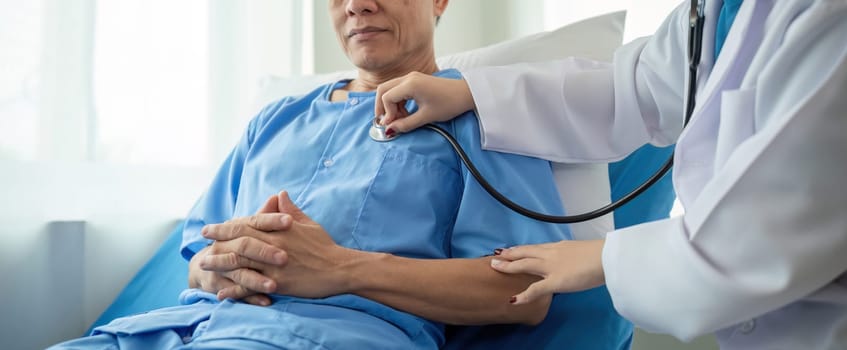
761	253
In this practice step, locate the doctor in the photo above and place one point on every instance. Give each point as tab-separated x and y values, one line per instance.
760	255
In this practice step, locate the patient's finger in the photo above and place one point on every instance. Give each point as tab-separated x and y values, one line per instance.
238	292
250	226
255	299
270	205
288	207
220	283
251	279
527	265
533	292
228	262
252	249
268	222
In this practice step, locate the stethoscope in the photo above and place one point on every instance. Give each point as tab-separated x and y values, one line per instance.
695	44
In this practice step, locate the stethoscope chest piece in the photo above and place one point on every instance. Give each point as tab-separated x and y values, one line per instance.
377	132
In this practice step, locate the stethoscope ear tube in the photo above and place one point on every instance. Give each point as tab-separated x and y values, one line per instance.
695	40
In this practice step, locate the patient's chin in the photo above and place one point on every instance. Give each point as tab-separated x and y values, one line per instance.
372	63
380	57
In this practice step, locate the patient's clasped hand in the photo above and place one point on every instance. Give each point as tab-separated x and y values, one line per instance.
368	251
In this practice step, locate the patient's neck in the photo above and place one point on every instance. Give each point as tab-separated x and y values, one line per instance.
368	80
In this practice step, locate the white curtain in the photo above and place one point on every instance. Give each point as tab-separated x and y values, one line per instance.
139	81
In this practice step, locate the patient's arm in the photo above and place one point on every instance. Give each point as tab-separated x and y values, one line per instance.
455	291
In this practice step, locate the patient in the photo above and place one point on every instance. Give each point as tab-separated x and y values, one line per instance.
403	228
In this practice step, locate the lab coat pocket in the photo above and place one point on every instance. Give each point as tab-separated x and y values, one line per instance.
737	123
410	206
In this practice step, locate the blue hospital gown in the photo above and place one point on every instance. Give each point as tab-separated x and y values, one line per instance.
410	197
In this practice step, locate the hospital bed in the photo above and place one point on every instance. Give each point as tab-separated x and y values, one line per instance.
164	276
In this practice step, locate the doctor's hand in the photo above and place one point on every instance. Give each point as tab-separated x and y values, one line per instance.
565	266
438	99
216	281
314	262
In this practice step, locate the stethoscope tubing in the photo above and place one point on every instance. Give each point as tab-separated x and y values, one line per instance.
695	40
555	219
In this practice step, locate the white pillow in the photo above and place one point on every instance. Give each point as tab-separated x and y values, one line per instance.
582	187
595	38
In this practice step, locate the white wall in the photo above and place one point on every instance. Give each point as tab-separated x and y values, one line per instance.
127	211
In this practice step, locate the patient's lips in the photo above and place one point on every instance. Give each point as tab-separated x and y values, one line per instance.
365	33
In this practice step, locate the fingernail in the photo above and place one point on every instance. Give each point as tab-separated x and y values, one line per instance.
285	219
498	251
279	257
496	262
208	230
268	285
513	299
389	132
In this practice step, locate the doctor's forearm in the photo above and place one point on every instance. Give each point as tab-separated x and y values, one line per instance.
576	110
453	291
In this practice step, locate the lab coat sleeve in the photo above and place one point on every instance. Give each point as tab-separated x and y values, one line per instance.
770	228
577	110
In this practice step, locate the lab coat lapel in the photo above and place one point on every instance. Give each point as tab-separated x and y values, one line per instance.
698	140
743	41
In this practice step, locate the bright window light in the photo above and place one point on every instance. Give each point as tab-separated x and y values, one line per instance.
20	58
150	81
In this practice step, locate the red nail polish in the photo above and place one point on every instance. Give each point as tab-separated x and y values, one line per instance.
513	299
389	132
